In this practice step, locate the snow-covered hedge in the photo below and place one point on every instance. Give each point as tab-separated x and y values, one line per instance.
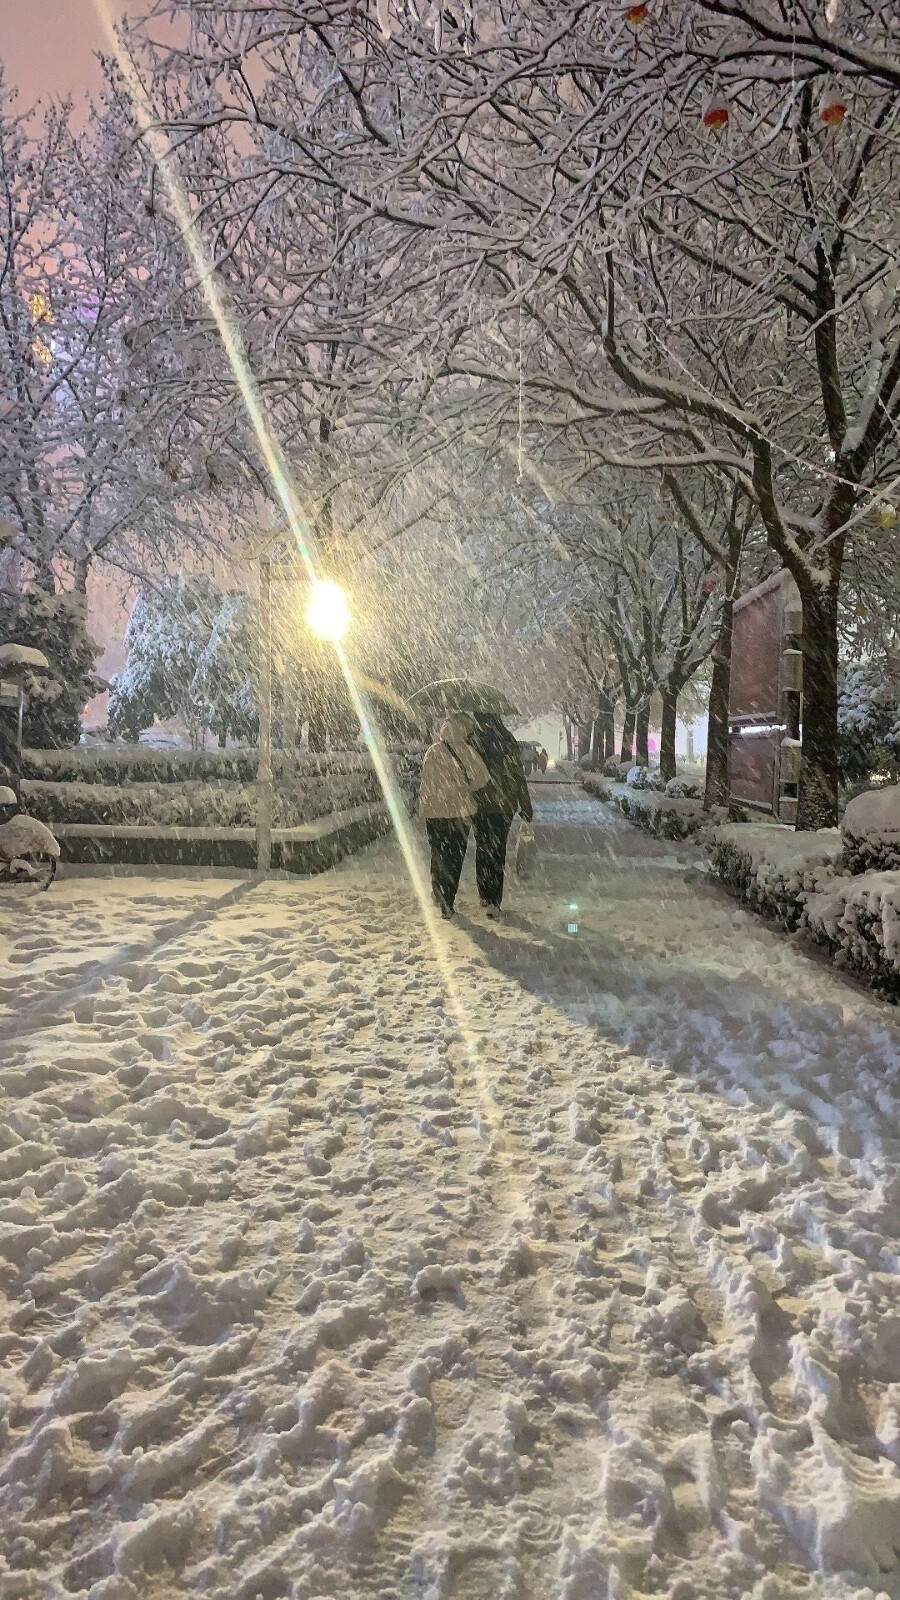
315	788
682	789
772	868
871	829
118	764
196	805
859	920
598	788
666	816
639	778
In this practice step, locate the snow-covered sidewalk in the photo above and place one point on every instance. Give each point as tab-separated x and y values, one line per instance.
335	1263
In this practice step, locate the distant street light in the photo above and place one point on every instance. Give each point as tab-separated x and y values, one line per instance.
328	610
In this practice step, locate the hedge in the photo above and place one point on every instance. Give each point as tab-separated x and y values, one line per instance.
665	816
121	764
196	805
772	868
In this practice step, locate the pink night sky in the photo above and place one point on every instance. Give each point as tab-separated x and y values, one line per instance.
47	46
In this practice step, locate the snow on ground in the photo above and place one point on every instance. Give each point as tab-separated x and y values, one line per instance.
317	1283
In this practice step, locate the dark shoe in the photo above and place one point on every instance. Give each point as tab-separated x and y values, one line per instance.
493	912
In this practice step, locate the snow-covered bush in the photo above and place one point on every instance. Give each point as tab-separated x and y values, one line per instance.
55	624
869	720
665	817
871	830
772	868
611	767
191	650
145	764
682	789
859	920
198	805
315	787
138	764
167	805
597	788
638	777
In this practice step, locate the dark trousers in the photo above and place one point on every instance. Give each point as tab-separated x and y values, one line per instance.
491	833
448	838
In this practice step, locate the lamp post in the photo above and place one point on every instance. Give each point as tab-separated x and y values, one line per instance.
328	616
264	765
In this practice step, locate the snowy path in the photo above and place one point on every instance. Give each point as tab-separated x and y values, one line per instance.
315	1283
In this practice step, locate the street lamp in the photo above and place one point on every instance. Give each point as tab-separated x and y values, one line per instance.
328	610
328	616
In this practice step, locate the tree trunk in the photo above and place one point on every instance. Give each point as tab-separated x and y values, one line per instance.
626	753
818	799
642	736
223	734
568	740
667	735
608	742
716	790
717	739
597	739
584	739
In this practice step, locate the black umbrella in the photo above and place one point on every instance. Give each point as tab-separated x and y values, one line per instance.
462	694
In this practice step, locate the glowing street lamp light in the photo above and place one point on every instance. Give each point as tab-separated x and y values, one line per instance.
328	610
328	616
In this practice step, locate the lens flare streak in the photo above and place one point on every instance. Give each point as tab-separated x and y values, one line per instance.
491	1117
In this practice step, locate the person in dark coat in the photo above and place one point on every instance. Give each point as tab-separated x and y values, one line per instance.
496	804
452	773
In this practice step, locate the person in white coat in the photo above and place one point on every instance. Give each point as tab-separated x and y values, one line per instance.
452	774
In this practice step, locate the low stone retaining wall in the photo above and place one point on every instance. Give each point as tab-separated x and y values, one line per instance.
309	848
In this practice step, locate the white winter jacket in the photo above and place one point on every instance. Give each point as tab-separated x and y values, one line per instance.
451	773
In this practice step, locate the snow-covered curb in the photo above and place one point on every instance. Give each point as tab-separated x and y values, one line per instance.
309	848
666	816
858	919
772	868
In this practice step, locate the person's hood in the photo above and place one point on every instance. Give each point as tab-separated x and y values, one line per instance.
455	730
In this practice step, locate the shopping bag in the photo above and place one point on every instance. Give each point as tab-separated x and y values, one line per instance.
526	852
